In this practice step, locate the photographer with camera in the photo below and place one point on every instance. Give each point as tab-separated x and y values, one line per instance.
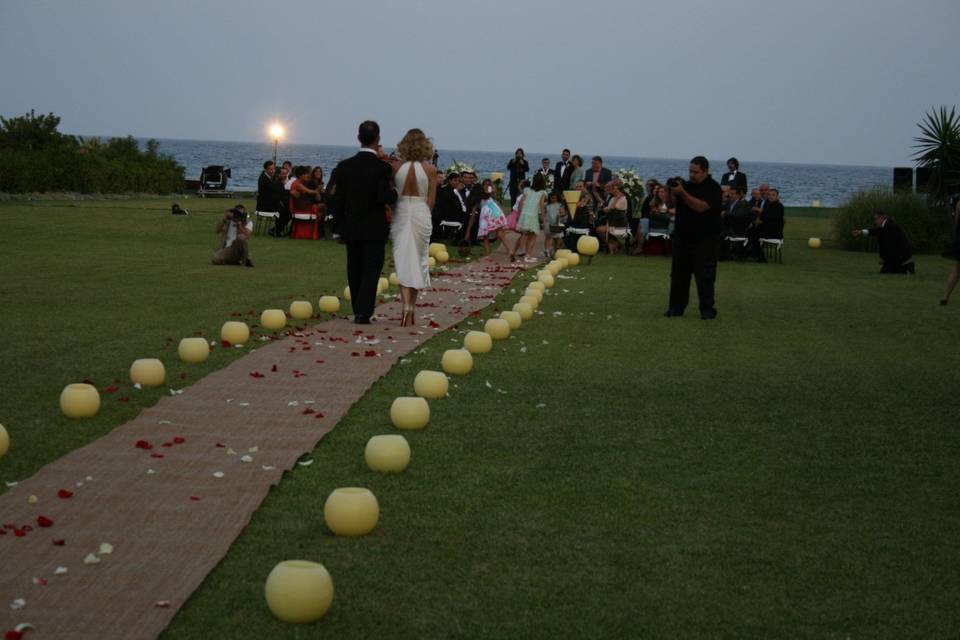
235	229
696	239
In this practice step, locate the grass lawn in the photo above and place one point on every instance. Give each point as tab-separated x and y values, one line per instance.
788	470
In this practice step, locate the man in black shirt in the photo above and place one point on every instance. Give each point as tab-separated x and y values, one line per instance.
696	240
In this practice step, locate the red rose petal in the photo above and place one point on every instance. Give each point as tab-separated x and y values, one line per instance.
156	455
273	368
19	533
256	374
41	582
183	376
111	389
44	521
355	354
143	444
195	498
220	445
13	634
225	344
167	444
59	542
124	399
434	325
88	381
319	415
307	411
370	354
179	440
63	494
3	532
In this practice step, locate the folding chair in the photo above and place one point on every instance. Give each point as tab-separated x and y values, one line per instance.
262	220
451	231
305	226
772	249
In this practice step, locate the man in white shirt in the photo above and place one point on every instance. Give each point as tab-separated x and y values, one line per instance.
235	229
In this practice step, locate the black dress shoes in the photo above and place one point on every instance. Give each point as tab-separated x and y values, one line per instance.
673	313
708	314
361	320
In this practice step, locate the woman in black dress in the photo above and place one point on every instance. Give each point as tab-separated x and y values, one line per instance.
518	168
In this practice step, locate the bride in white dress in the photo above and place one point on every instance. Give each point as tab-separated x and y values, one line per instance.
416	182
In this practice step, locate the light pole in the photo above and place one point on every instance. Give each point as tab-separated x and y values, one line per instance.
276	132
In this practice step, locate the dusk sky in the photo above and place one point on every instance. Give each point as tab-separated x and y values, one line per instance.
814	81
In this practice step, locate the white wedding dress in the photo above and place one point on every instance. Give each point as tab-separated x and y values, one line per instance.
411	228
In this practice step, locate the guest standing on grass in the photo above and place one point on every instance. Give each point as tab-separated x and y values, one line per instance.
954	253
364	190
561	173
576	172
533	212
492	221
896	253
518	168
696	240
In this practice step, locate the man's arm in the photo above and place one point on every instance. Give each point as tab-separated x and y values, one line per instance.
386	193
696	204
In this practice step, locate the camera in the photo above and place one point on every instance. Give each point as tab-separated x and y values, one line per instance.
239	215
675	181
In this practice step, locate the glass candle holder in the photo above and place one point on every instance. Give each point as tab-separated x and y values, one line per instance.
147	372
431	385
299	591
193	350
409	413
329	304
477	342
456	362
235	332
301	309
351	511
497	328
273	319
387	453
524	309
80	400
588	246
513	319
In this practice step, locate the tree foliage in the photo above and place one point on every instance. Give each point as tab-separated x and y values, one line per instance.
938	149
36	157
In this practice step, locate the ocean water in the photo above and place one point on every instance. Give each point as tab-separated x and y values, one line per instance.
799	184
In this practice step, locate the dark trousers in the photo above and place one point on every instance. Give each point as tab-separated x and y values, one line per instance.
898	266
236	253
695	257
364	264
283	220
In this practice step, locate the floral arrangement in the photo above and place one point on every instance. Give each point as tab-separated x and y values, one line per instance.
632	184
459	167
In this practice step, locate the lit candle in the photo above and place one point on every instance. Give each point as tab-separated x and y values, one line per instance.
351	511
477	342
588	246
546	278
457	362
194	350
497	328
431	385
409	413
80	400
300	310
513	319
524	309
147	372
299	591
329	304
273	319
235	332
387	453
573	259
531	300
814	243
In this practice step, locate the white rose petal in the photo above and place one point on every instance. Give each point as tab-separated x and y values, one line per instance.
218	474
246	459
91	559
18	604
253	450
106	548
59	571
305	463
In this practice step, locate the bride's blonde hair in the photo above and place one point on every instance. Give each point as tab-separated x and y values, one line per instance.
415	146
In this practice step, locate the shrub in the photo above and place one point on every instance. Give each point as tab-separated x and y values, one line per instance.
927	227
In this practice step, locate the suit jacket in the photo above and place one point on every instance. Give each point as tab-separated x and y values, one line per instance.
772	221
561	176
448	207
269	193
363	190
894	244
731	179
605	176
737	218
474	199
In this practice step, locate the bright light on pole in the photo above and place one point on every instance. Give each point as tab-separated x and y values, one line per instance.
276	132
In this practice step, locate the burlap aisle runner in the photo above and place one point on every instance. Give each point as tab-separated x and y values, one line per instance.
167	511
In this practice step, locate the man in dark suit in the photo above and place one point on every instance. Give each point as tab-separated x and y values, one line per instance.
733	177
363	191
270	193
561	173
596	179
767	224
896	251
472	199
450	205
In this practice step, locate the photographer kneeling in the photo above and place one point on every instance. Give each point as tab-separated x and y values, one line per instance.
235	229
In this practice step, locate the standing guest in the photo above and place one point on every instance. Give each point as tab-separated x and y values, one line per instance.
764	189
896	253
696	240
316	182
288	180
492	220
556	220
597	178
545	169
450	205
576	172
561	173
330	200
416	180
436	159
364	190
235	229
954	253
268	190
733	177
472	197
533	212
518	168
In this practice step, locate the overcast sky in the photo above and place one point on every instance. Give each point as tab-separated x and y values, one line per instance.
841	81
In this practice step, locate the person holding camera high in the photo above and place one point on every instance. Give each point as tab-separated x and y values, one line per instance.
696	239
235	229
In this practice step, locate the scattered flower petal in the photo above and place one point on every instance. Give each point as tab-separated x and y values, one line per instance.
179	440
195	498
10	485
267	467
246	459
33	500
91	559
44	521
18	604
106	548
253	450
40	582
59	543
218	474
143	444
151	472
305	463
63	494
59	571
162	604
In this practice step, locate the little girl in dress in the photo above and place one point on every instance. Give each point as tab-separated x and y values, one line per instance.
492	220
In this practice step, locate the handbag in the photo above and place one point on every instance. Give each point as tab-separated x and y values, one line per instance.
512	220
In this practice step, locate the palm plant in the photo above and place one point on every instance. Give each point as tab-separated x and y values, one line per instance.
938	149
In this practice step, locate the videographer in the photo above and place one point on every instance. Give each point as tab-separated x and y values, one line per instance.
235	229
696	239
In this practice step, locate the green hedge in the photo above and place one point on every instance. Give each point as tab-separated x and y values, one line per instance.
927	227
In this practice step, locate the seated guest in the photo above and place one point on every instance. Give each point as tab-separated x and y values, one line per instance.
315	181
615	229
767	225
737	215
450	205
303	199
268	189
896	253
582	221
283	178
235	229
733	177
596	178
